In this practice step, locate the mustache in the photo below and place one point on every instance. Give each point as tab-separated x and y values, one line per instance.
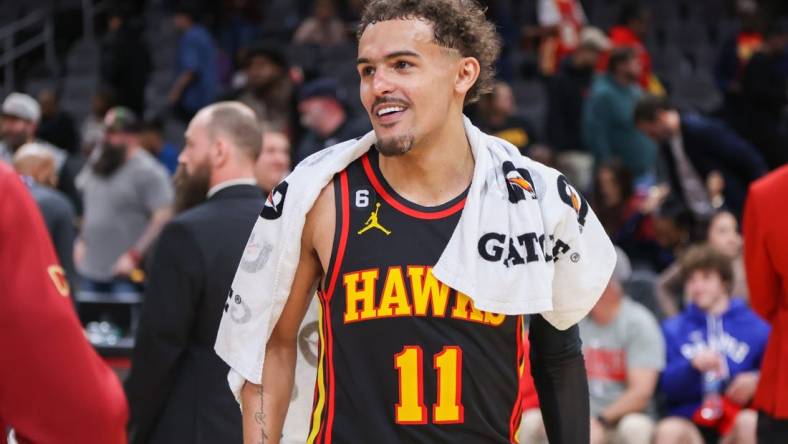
111	158
389	101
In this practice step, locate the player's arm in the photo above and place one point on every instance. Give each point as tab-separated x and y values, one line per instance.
559	374
265	406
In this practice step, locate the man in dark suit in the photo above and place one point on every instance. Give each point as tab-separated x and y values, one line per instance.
692	148
177	389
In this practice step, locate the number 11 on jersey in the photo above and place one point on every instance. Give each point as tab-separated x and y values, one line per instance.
411	409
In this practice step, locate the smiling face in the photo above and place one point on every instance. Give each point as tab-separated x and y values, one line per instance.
706	289
723	234
409	84
274	160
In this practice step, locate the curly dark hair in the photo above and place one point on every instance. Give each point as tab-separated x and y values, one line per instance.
457	24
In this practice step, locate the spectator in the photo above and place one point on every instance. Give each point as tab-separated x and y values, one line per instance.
693	147
152	139
178	386
20	118
322	28
239	26
323	108
628	217
764	94
767	273
92	131
37	167
561	21
567	91
673	229
608	128
56	126
498	116
274	162
128	198
615	201
722	235
737	51
125	60
197	79
624	354
55	388
268	89
629	32
714	346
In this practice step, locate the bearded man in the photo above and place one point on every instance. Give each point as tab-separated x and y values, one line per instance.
127	199
177	389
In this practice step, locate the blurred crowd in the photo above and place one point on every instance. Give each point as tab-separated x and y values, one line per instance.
673	349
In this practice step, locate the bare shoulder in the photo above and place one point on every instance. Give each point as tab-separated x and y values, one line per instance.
320	225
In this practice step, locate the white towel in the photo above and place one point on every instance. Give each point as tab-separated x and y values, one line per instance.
526	242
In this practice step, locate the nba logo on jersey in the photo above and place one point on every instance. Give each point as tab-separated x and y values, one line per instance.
275	202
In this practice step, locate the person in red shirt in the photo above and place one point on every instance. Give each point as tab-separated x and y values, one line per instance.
561	21
766	264
629	32
54	388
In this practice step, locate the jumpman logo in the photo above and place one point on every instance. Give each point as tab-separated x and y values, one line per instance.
372	222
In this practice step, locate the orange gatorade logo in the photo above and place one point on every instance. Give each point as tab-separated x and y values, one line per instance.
571	197
519	183
372	222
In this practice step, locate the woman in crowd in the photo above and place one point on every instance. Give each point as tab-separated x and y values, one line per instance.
722	234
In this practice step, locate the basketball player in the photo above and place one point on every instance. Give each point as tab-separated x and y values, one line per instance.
449	374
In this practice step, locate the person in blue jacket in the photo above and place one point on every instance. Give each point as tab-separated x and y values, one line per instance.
715	335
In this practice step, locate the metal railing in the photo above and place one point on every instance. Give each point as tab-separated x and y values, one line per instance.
39	19
41	23
89	11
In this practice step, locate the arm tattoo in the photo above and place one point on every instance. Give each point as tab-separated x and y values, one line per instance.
259	417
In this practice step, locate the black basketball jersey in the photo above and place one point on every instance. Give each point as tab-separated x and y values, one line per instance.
402	357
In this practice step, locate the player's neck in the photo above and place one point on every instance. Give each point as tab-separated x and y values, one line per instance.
436	170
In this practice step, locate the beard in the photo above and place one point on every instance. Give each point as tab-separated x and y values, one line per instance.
191	189
110	159
395	146
14	140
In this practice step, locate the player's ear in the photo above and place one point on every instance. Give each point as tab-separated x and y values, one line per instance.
467	74
220	152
